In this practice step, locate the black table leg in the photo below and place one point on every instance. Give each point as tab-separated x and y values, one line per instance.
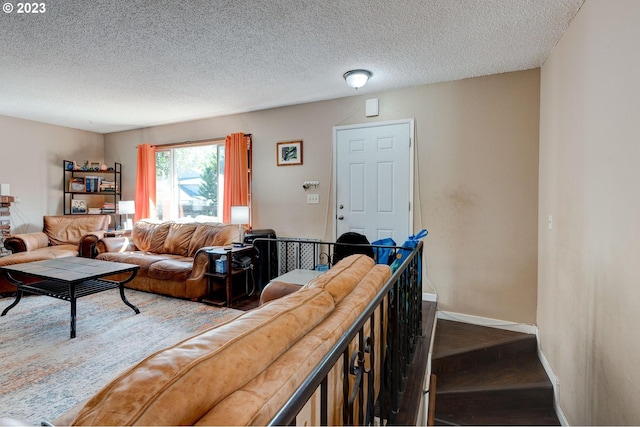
126	301
124	298
18	293
13	304
72	295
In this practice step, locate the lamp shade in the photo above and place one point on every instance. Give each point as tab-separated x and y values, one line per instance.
126	207
239	214
357	78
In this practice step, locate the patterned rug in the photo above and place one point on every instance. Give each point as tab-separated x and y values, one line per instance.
43	372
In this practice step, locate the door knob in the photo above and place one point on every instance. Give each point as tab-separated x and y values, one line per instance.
341	217
341	207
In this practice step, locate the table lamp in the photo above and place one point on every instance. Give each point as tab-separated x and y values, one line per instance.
126	207
240	216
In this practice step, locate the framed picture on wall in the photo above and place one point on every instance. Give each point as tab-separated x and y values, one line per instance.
289	153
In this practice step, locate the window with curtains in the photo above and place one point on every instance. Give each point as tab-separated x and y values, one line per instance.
190	181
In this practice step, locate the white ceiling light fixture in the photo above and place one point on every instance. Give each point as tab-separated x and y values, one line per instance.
357	78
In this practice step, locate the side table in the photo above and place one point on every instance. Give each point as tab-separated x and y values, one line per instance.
226	278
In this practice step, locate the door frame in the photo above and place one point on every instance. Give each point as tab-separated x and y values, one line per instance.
336	129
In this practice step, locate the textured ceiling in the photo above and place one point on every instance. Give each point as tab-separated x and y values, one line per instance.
114	65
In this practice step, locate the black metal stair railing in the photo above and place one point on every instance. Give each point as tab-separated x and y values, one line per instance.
398	321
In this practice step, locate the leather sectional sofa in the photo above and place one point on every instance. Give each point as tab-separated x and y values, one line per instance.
243	371
61	236
171	255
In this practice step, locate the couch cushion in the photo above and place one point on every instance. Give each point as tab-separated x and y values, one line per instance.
212	235
178	238
144	260
68	229
171	269
174	387
149	236
340	279
50	252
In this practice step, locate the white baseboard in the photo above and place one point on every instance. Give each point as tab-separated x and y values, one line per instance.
429	297
555	384
486	321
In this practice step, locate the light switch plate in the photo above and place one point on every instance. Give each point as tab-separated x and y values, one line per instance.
313	198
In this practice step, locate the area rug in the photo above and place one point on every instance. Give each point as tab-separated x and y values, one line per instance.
43	372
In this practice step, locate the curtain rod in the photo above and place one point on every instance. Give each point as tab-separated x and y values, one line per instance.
175	144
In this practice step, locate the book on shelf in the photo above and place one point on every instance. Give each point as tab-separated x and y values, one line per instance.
108	186
108	208
92	183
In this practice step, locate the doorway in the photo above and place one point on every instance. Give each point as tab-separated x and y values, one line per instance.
373	179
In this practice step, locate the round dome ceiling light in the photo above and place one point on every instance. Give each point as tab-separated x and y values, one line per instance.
357	78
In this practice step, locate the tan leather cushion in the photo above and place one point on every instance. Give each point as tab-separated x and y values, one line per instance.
212	235
49	252
149	236
340	279
259	400
68	229
144	260
178	238
172	269
177	385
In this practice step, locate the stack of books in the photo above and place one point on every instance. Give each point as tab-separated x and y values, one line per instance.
108	186
108	208
92	183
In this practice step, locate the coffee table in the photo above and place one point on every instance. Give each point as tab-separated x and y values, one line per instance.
69	279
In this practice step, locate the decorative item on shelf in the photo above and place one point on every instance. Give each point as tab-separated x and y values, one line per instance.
240	216
70	166
78	206
77	184
126	207
104	168
85	165
289	153
94	166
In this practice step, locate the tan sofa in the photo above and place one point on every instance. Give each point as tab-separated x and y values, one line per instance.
171	255
243	371
61	236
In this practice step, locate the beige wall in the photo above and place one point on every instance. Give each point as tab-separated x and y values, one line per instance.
589	293
476	189
32	155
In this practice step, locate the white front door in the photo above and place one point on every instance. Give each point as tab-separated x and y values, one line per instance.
374	179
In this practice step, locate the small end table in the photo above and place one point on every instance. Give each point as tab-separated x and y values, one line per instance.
226	277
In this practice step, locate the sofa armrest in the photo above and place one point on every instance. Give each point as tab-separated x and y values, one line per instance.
114	244
276	289
26	242
201	262
88	242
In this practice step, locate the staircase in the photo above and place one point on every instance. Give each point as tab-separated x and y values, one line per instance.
489	376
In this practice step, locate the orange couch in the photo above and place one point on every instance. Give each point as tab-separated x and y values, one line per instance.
171	255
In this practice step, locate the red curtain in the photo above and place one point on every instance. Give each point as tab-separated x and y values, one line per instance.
236	173
146	182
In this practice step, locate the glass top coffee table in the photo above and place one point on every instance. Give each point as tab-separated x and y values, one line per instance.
69	279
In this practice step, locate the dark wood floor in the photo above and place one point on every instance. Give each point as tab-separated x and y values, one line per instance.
489	376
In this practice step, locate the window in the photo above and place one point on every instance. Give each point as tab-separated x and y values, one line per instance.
190	181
